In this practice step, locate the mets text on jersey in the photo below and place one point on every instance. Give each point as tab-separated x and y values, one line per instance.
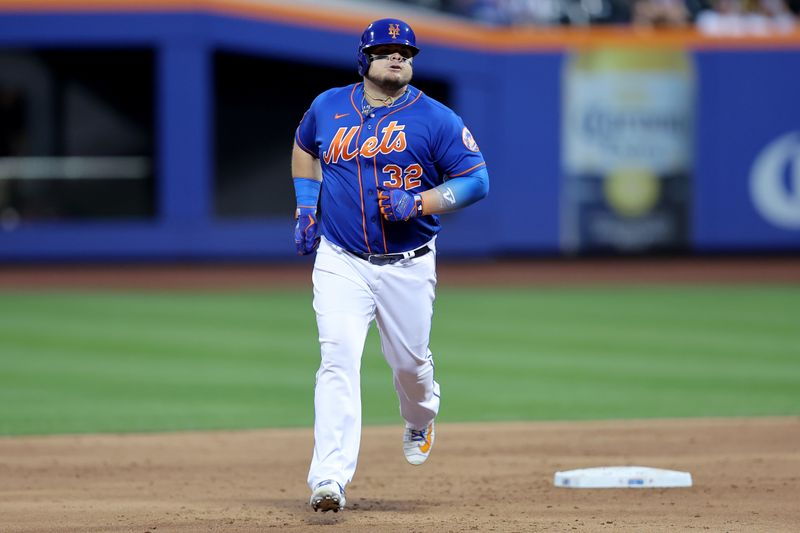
393	140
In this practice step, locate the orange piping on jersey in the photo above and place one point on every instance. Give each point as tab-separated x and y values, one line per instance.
435	30
375	161
383	228
469	169
358	167
377	192
300	143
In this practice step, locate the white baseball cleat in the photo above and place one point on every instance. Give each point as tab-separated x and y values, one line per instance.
327	496
417	444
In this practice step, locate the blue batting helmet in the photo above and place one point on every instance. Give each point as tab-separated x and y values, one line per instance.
385	31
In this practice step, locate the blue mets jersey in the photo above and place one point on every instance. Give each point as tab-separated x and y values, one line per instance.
416	144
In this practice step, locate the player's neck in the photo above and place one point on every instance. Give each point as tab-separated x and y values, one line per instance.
379	96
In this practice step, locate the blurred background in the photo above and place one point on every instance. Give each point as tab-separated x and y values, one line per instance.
163	131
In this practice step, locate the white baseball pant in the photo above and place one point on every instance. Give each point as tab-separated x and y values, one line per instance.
349	293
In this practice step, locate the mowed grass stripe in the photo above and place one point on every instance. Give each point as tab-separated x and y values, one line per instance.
165	312
645	352
132	362
705	321
151	341
772	306
75	362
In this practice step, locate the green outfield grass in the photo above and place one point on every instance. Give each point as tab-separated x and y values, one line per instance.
74	362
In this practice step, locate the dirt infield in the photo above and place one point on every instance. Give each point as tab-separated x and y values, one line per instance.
487	477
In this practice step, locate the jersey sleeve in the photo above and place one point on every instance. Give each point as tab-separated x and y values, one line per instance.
455	150
306	133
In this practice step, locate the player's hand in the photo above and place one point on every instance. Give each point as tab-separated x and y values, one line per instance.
397	204
306	230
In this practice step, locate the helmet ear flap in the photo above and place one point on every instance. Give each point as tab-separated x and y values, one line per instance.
363	62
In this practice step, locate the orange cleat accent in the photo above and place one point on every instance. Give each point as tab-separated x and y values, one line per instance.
417	443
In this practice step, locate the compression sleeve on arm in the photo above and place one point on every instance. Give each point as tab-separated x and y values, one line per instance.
306	191
457	193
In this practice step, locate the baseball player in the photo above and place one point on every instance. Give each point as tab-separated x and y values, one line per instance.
374	163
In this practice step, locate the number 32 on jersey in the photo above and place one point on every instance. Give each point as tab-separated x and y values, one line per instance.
407	178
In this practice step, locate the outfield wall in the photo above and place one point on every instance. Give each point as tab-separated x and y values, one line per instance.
708	160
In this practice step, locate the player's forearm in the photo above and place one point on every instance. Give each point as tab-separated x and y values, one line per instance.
456	193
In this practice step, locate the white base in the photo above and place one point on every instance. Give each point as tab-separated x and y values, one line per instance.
616	477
